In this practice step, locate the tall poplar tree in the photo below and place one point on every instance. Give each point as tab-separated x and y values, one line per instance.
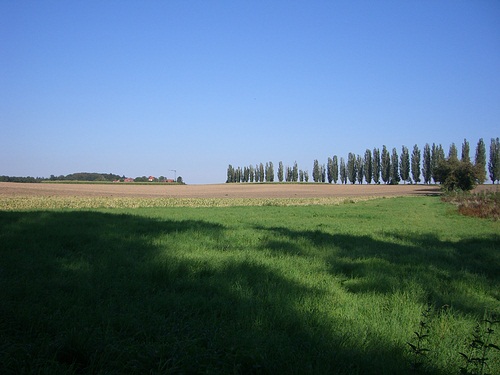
335	169
360	169
288	174
415	164
316	171
395	167
494	163
480	161
376	165
386	165
230	174
280	171
246	174
404	165
351	167
437	156
368	167
465	151
453	153
427	164
295	172
343	172
329	169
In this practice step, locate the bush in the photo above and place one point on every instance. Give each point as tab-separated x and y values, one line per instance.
457	175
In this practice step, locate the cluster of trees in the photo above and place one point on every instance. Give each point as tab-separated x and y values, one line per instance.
389	167
265	173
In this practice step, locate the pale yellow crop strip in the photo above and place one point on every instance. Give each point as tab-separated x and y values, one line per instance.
79	202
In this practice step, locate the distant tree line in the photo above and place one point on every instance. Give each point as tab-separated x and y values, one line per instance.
27	179
89	177
389	167
86	176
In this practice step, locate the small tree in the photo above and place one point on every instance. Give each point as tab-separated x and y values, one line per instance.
494	163
415	164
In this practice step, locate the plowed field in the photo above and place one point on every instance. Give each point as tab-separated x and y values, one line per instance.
310	190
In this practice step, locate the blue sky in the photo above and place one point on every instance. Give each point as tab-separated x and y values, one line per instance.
144	87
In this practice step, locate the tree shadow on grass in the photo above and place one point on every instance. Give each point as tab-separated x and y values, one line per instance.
442	269
90	292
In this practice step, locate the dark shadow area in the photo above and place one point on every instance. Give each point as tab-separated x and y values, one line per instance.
440	268
430	191
89	292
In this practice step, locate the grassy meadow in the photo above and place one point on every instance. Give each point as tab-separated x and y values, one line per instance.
259	289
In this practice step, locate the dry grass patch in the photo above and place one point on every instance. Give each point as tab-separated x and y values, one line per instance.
483	205
84	202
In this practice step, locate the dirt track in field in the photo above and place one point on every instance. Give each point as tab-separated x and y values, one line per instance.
311	190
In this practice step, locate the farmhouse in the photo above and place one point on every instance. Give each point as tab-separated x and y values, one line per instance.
128	179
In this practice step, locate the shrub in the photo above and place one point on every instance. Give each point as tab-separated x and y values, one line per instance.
456	175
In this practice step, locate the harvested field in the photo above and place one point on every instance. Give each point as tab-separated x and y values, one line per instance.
310	190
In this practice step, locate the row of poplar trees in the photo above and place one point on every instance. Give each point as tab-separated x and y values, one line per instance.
379	166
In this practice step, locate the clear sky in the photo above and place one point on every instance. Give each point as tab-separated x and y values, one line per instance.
145	87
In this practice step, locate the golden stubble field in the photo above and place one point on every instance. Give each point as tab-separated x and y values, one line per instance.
19	196
258	191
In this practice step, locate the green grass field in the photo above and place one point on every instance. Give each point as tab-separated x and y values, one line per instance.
318	289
